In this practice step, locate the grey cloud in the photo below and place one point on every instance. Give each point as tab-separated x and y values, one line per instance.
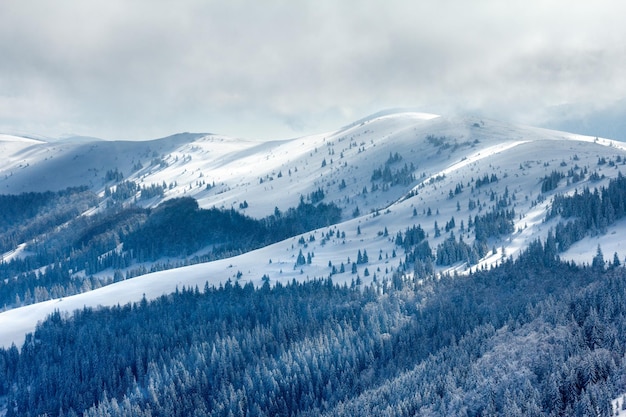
276	68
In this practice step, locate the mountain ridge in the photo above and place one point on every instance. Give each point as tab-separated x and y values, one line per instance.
386	173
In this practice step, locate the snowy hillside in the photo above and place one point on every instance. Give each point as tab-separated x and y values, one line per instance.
386	173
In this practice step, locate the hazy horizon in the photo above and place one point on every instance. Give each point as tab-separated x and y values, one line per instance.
274	70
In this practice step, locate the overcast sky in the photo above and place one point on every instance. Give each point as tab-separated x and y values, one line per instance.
138	69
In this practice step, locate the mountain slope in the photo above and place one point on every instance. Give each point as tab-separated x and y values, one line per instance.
387	173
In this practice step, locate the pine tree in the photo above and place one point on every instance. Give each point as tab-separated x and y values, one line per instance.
598	261
301	260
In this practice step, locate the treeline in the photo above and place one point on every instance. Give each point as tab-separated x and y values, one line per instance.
118	237
451	251
532	337
54	281
86	243
126	190
178	227
24	216
598	208
493	224
589	211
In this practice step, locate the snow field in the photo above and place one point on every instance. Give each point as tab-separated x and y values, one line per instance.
249	170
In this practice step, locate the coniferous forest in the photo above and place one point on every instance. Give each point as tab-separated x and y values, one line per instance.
176	228
532	337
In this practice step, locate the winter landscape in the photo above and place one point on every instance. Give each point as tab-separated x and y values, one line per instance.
312	208
361	257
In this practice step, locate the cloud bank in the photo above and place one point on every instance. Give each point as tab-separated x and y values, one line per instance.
274	69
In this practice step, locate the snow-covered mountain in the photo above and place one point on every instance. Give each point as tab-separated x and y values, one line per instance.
387	173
